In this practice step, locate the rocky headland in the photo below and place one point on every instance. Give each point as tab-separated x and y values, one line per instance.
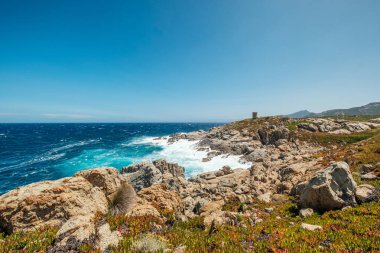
309	180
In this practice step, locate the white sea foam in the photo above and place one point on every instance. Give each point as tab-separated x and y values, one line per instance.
51	155
185	153
72	145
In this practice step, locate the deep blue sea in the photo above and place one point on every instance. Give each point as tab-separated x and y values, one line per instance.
35	152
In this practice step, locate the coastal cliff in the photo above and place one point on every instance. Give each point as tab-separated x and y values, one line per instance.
311	183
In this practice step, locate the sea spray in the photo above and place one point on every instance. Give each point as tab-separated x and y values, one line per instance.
186	153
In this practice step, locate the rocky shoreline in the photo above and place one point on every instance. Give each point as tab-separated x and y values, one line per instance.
284	167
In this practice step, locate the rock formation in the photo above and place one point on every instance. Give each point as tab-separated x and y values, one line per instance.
281	165
331	188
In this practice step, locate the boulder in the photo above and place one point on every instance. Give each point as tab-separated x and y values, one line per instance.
332	188
162	198
366	168
144	209
226	170
306	212
106	237
367	193
107	179
270	135
308	127
311	227
50	203
75	232
212	212
369	176
257	155
340	131
144	174
266	197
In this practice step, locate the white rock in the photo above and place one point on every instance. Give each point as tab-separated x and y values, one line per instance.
311	227
306	212
366	193
266	197
106	237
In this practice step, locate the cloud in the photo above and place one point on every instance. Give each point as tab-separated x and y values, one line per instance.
67	116
12	114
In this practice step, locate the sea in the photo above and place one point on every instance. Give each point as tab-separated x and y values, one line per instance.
34	152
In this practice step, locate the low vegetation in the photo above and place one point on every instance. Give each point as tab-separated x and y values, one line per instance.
338	140
355	229
351	230
34	241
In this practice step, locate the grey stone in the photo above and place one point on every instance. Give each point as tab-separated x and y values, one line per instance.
332	188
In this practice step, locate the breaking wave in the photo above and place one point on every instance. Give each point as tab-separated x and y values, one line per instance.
186	153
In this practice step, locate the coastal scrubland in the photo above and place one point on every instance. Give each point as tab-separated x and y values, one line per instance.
278	225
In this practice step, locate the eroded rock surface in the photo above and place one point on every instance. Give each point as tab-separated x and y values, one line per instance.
50	203
281	165
70	204
331	188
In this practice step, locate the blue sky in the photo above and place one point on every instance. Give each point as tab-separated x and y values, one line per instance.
194	60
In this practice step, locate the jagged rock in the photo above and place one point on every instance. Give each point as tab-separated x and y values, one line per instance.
306	212
308	127
144	174
77	229
208	176
144	209
367	193
311	227
161	197
212	212
169	169
357	127
366	168
226	170
271	135
257	155
106	178
332	188
369	176
50	203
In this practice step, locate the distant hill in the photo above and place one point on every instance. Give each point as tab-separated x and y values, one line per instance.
369	109
299	114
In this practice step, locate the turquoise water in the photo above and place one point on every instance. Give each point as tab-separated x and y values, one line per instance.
35	152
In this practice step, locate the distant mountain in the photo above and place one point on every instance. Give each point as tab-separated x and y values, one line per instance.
299	114
369	109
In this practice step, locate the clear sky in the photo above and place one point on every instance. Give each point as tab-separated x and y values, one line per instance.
187	60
